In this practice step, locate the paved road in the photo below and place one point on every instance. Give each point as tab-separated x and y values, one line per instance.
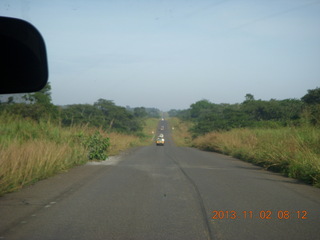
163	193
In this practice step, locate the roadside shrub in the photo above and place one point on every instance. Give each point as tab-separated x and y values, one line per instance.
97	146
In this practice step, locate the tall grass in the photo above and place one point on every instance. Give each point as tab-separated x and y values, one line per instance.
180	132
31	151
295	152
22	164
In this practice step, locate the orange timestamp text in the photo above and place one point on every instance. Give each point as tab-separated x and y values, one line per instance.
263	214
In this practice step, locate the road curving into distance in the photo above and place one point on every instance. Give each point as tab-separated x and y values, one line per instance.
163	192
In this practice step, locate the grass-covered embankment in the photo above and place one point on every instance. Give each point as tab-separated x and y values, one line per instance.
295	152
31	151
180	132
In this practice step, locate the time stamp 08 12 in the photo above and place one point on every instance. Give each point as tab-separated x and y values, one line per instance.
263	214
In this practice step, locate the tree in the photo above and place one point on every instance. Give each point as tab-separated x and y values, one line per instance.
36	105
10	100
82	114
140	112
312	106
249	97
312	97
118	118
173	112
42	97
153	112
103	114
200	108
272	110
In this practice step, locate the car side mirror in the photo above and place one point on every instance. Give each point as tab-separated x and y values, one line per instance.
23	58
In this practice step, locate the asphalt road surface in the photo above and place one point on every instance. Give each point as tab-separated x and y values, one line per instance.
163	192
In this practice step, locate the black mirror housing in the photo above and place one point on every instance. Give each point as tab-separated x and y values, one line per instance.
23	58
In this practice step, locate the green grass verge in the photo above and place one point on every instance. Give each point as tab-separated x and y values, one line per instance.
32	151
295	152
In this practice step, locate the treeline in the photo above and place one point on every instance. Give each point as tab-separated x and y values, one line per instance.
208	117
102	114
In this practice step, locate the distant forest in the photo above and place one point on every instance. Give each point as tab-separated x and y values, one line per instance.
208	116
102	114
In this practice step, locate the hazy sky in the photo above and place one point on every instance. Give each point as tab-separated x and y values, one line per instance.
171	53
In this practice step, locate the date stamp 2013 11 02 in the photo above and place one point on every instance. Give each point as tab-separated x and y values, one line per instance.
263	214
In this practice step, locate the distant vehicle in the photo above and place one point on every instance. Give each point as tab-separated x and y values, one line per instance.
160	141
162	128
160	135
162	119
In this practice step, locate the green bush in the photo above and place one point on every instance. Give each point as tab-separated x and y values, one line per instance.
97	146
